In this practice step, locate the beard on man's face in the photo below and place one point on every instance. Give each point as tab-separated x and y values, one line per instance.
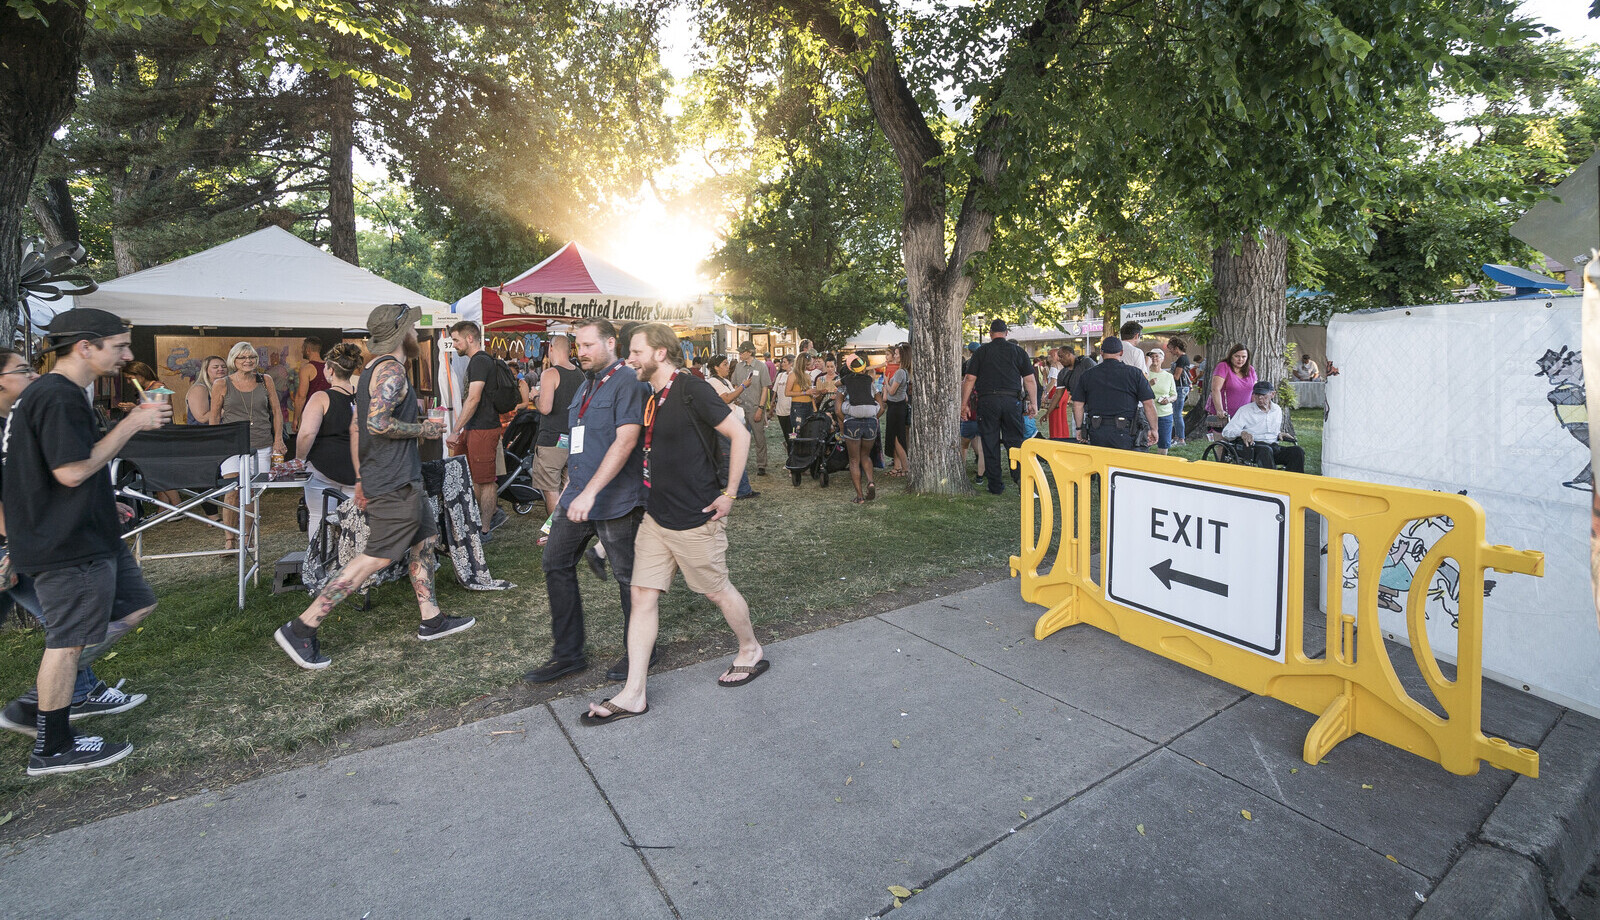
647	369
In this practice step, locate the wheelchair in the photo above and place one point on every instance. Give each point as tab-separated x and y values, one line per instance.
1232	452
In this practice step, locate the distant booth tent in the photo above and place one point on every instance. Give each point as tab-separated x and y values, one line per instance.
572	284
269	288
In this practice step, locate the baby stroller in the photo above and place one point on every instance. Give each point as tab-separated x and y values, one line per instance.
816	448
516	486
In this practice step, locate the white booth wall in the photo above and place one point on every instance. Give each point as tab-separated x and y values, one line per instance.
1464	398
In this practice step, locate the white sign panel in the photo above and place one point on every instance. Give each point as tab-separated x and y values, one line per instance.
1211	558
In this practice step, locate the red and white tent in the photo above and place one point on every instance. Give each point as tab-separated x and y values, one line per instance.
575	283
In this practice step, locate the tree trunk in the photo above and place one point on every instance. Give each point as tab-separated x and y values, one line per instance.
1252	301
54	212
341	162
38	82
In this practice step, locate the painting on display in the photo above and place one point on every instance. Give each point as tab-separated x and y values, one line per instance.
178	359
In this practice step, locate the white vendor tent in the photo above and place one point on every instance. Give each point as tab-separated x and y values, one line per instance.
1504	425
878	335
270	278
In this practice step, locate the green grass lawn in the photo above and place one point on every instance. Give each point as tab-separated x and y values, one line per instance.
225	702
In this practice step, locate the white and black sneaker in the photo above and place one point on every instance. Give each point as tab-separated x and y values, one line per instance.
303	652
441	626
86	753
105	701
21	714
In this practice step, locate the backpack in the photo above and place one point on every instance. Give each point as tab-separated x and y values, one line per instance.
501	387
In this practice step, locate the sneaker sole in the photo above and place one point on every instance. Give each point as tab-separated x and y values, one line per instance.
134	699
449	632
77	767
289	650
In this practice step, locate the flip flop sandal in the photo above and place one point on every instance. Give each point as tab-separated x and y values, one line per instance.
617	713
754	670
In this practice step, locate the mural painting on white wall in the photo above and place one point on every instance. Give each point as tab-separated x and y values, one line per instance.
1564	370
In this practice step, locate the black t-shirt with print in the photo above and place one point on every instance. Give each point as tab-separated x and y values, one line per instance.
683	469
53	425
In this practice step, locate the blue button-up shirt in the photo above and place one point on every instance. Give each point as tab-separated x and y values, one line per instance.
620	402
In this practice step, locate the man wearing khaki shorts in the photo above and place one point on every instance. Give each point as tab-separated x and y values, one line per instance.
685	525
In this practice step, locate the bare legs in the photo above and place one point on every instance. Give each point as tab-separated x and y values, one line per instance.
644	624
487	499
421	565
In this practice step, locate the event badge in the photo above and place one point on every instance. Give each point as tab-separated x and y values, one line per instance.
577	440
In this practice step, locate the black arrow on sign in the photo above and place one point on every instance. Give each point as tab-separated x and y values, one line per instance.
1164	571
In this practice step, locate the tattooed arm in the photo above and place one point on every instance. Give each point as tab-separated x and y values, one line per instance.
388	389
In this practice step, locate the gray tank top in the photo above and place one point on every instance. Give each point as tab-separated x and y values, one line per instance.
253	407
387	464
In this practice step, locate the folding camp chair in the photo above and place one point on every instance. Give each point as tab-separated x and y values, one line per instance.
187	459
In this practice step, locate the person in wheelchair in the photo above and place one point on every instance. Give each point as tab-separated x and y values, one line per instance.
1256	431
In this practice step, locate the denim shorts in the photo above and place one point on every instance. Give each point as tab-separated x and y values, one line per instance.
969	429
860	429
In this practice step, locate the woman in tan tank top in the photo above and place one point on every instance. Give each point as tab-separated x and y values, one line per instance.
247	396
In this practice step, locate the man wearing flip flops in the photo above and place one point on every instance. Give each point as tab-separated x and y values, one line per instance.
685	510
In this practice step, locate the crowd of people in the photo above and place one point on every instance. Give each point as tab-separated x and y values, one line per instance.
640	460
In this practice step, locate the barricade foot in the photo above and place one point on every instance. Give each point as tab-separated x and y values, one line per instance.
1058	617
1336	723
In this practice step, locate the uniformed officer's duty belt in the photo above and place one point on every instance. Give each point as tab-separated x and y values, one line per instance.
1096	421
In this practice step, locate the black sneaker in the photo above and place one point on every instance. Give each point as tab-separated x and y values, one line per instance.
485	537
20	716
597	562
553	669
105	701
86	753
619	668
761	471
499	517
750	495
443	626
304	652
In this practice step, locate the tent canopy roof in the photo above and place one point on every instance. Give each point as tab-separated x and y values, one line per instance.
576	269
267	278
878	335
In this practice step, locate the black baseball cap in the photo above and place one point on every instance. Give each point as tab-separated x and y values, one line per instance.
82	324
1111	346
1262	387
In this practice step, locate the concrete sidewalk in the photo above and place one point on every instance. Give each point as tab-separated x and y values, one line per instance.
937	747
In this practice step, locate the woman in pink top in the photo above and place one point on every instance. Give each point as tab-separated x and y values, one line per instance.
1232	382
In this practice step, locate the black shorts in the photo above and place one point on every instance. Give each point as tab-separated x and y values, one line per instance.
397	521
80	601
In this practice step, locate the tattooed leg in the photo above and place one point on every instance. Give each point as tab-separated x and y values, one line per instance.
421	567
342	585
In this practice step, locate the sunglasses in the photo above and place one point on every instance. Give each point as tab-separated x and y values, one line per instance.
28	371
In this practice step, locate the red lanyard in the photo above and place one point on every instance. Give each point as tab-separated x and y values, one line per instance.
650	410
585	407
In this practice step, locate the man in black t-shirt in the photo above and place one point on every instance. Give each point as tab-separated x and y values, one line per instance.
59	494
1001	376
478	428
684	525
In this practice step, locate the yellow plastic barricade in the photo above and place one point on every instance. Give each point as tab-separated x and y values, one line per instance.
1204	563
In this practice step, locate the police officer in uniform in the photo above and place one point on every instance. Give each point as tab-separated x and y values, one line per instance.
1105	404
1002	376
